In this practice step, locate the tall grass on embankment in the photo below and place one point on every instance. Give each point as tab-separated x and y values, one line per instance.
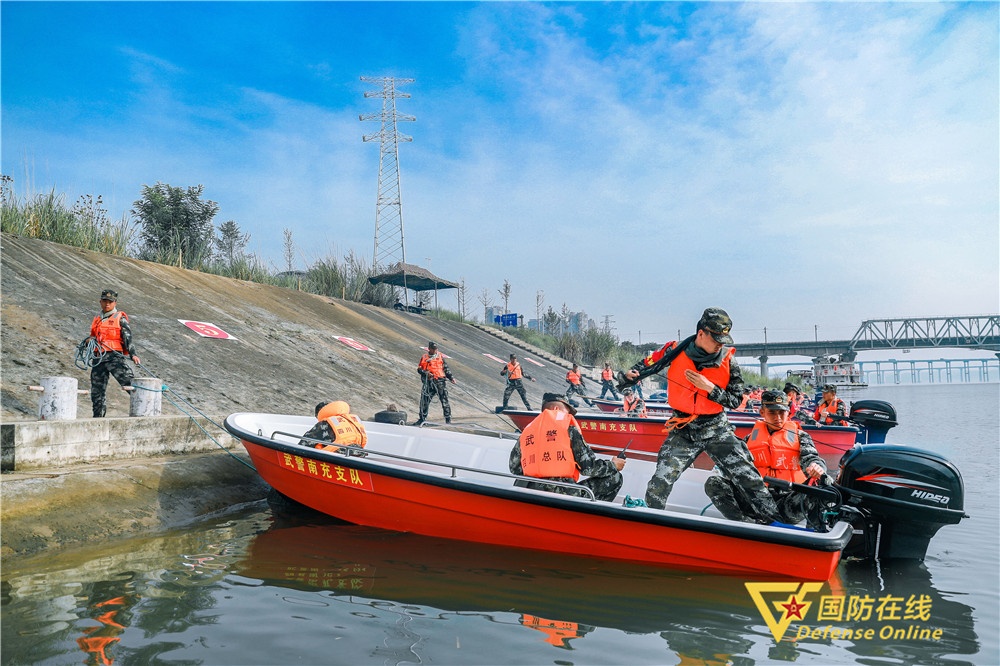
47	217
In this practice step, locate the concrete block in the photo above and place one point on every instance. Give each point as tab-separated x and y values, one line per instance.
37	444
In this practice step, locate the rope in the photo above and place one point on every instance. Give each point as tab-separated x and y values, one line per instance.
89	353
165	389
490	411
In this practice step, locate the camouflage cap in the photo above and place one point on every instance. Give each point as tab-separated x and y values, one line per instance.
556	397
774	400
109	294
717	323
829	388
792	387
432	345
627	390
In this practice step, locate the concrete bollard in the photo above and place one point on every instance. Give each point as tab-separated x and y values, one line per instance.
146	398
57	401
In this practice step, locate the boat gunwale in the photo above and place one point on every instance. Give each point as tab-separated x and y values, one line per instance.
834	541
660	419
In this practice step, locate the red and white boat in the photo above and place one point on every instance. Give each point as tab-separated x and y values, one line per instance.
456	485
608	432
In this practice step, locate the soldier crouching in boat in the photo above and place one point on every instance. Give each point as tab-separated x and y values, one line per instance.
780	449
552	447
335	423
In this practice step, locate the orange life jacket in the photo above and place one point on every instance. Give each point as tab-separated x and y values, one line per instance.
108	331
684	397
347	429
514	370
629	404
793	405
776	454
433	364
573	377
546	451
823	411
607	374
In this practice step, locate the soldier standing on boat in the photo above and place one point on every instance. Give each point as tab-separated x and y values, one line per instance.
433	369
702	382
514	373
552	447
779	449
607	381
831	410
113	338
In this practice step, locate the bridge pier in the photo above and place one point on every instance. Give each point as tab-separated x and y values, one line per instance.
763	366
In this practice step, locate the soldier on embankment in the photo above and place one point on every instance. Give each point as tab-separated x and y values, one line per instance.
114	341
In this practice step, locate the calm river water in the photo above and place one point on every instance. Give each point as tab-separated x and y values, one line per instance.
264	586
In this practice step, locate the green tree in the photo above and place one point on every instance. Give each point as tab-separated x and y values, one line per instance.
176	224
230	242
550	322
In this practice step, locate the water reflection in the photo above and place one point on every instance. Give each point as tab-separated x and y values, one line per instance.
174	597
703	618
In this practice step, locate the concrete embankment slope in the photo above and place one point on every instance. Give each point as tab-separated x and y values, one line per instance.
286	355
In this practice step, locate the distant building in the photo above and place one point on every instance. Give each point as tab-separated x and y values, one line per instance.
492	312
579	323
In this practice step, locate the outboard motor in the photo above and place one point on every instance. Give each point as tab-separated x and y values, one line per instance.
897	498
875	417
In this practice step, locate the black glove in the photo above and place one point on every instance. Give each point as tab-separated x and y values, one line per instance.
624	381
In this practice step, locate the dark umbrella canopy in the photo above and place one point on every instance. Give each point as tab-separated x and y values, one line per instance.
411	277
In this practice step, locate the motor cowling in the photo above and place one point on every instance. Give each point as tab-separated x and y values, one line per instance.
902	497
876	417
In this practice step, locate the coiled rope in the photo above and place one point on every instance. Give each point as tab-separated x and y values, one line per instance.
89	353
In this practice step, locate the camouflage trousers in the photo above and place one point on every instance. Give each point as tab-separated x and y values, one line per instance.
113	364
730	456
515	385
578	389
434	387
605	488
793	508
608	385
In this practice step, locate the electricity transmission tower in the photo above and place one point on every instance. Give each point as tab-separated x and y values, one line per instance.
388	208
609	324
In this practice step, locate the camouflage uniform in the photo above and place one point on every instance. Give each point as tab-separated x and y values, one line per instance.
793	507
434	386
578	389
711	433
112	363
604	480
608	385
514	385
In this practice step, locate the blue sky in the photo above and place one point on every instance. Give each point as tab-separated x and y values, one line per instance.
799	164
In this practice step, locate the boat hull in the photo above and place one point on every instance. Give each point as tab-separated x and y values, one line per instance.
366	491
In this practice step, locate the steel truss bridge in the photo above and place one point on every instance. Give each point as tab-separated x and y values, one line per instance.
969	332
